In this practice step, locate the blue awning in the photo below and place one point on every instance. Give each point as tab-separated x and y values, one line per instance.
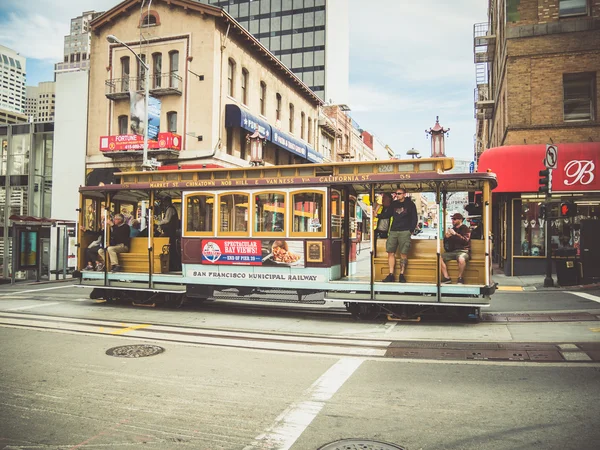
313	156
289	143
236	117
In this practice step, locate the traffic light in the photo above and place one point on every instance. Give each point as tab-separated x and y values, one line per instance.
545	181
568	209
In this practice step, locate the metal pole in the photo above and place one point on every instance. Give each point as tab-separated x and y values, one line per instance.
145	155
57	252
65	251
548	281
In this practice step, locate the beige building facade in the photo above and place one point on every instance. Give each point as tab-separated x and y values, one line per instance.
220	89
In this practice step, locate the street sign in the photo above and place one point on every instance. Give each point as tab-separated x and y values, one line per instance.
472	167
551	159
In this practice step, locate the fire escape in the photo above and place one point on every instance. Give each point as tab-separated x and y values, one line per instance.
484	47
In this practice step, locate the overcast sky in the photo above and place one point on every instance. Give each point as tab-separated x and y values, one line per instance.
410	61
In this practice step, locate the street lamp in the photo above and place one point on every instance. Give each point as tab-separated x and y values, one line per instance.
112	39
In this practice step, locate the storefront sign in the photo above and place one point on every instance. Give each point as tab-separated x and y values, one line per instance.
122	142
576	175
517	167
289	143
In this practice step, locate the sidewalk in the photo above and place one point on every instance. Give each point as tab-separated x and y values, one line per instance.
531	282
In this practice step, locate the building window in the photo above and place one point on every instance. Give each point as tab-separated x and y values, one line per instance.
291	118
309	137
230	76
156	70
278	107
302	120
123	124
150	20
578	96
125	74
572	8
172	121
174	69
263	96
245	86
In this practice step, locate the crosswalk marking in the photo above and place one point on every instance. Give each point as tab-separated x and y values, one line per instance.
594	298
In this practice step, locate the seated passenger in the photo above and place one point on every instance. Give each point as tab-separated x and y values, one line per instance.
457	246
91	252
135	228
119	243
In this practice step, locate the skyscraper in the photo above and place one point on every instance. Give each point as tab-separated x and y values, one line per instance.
311	37
77	44
12	80
41	102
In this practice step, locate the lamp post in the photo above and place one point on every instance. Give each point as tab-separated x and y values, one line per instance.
115	40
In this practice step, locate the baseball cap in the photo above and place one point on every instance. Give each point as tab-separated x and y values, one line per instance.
458	216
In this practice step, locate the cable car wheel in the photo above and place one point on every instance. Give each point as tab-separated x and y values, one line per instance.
364	311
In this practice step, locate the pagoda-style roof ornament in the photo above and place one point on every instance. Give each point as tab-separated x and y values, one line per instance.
437	133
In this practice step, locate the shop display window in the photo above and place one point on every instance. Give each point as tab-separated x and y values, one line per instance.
532	240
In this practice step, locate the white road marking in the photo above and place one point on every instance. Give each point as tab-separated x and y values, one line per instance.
390	326
594	298
292	422
35	290
20	308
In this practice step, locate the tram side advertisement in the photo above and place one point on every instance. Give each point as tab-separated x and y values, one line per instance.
253	252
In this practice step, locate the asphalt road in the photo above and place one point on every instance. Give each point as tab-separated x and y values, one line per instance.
60	390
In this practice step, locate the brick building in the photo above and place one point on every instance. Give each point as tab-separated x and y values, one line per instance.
537	64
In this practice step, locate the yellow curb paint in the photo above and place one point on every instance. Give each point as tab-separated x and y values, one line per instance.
509	288
131	328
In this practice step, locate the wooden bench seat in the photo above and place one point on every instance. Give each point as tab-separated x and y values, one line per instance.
136	259
422	263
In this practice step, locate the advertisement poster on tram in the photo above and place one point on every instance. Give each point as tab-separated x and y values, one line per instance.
253	252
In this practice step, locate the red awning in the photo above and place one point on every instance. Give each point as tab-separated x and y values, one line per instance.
517	167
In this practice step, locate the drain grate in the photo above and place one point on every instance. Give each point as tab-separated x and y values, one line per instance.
134	351
360	444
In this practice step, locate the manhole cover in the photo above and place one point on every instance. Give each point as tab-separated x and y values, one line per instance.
134	351
360	444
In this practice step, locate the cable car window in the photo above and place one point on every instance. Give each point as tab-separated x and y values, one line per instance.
199	213
307	210
233	214
336	214
269	213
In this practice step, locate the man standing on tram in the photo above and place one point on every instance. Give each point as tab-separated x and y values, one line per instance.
403	214
169	225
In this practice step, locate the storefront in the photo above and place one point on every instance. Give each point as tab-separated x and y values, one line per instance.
518	217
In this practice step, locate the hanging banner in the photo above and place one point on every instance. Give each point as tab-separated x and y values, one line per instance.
137	113
154	107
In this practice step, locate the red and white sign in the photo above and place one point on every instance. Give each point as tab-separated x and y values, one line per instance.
124	142
517	167
577	171
232	251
